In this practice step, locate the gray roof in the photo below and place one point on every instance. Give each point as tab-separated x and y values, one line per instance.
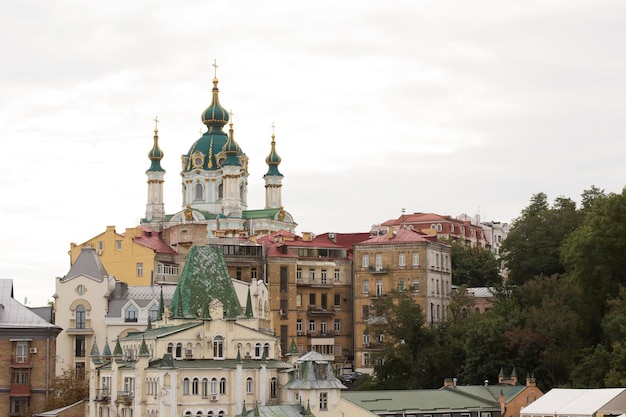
482	292
15	315
87	264
316	372
141	295
275	410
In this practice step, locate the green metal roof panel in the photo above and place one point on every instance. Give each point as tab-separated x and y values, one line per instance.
204	279
261	213
160	332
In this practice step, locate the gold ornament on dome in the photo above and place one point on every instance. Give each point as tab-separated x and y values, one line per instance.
188	213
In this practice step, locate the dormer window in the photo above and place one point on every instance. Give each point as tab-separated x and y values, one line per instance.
130	316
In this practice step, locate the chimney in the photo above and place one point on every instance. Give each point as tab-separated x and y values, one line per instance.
448	382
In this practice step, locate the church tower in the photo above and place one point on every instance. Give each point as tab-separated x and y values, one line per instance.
273	178
155	207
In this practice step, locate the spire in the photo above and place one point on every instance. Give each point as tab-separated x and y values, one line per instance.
106	351
117	351
95	353
231	148
155	155
238	355
249	305
179	304
143	349
215	115
293	348
273	160
308	412
243	409
161	305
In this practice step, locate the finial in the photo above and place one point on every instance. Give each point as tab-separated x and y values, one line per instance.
231	118
156	124
273	130
214	69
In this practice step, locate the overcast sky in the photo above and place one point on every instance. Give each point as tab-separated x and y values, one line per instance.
435	106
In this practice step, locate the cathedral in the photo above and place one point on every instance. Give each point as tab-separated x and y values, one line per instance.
215	188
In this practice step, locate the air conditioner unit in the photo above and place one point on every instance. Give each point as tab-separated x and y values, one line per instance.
33	350
248	355
213	397
100	252
189	352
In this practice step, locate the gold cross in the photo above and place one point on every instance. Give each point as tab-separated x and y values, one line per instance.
156	122
215	68
273	128
231	116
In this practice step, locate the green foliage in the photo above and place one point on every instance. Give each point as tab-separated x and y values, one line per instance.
69	388
474	266
532	247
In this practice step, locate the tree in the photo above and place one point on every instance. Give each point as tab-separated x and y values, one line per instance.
69	388
594	255
474	266
532	247
407	356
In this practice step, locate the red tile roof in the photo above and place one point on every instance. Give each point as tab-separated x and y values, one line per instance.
151	239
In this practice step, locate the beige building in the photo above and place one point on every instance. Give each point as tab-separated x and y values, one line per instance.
403	260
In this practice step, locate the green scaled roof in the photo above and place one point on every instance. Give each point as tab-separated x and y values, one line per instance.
204	279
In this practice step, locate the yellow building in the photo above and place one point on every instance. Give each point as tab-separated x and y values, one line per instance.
403	260
137	257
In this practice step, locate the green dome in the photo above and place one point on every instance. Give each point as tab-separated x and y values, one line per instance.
156	154
273	160
215	115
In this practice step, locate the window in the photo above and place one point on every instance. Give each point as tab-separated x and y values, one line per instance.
284	308
298	300
402	285
273	387
324	276
299	274
153	313
416	259
257	350
312	325
199	192
266	350
324	301
80	316
299	325
402	260
118	244
365	262
416	285
19	406
218	347
379	288
365	359
337	275
337	299
223	386
366	312
80	346
379	262
324	401
366	340
186	386
170	348
337	326
20	376
80	370
81	289
253	273
312	299
239	273
100	246
249	385
312	274
140	269
365	287
214	386
323	328
129	384
283	279
205	387
130	316
194	386
179	350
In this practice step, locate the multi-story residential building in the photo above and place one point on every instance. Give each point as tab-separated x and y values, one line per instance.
27	356
310	282
207	356
403	260
138	256
445	227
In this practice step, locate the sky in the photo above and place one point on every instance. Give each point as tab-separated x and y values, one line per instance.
444	106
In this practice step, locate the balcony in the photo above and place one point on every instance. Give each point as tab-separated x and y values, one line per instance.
377	270
103	395
125	397
327	333
317	311
21	361
20	390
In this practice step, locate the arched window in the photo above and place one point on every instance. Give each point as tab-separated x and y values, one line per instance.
266	350
209	413
179	350
213	385
257	350
273	387
220	191
249	386
199	414
81	317
218	347
170	348
153	313
199	192
205	387
221	413
187	413
223	386
194	386
186	386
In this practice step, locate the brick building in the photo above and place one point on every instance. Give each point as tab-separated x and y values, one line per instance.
27	356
